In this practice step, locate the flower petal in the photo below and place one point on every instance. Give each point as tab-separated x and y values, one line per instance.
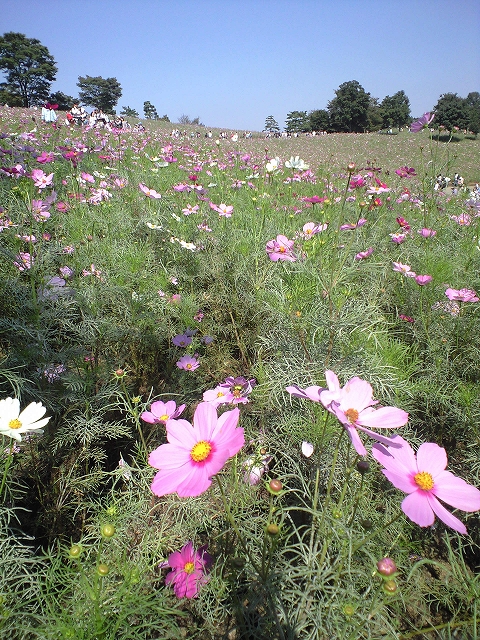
416	506
449	519
431	458
456	492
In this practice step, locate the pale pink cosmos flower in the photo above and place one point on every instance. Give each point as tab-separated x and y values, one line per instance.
398	238
464	219
189	210
427	233
161	412
195	453
255	467
150	193
404	268
24	261
364	254
188	570
45	157
312	228
353	225
422	122
40	179
425	480
219	395
423	280
188	363
462	295
353	407
280	249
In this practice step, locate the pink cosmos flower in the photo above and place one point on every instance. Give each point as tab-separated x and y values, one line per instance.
40	179
404	268
87	177
364	254
463	295
161	412
353	406
423	280
24	261
398	238
422	122
406	172
464	219
425	480
182	340
150	193
280	249
188	363
219	395
189	210
353	225
194	454
188	570
45	157
311	228
427	233
356	182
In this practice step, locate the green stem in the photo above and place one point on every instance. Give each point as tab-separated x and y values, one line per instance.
376	532
7	467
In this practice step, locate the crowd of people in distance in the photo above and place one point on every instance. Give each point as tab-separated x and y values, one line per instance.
78	116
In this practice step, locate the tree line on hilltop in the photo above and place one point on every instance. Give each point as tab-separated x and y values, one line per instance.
30	70
353	110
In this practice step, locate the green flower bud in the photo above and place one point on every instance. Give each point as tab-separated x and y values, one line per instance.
273	529
275	487
75	551
103	569
389	587
107	530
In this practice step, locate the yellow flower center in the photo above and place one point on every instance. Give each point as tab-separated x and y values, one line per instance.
189	567
352	415
15	424
189	366
220	394
164	418
201	451
424	480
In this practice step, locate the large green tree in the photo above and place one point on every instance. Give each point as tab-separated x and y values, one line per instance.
451	111
98	92
473	109
28	67
150	111
348	111
296	122
64	101
395	110
319	120
271	125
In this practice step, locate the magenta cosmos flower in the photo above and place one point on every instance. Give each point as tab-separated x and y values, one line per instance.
194	454
280	249
422	122
188	570
462	295
353	407
162	412
425	480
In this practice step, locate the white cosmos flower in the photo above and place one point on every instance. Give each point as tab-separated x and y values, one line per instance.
13	423
296	163
272	165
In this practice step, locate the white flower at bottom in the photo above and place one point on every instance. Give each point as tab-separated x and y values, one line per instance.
13	423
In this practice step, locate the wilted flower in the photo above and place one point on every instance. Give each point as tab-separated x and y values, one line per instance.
255	467
364	254
423	280
405	172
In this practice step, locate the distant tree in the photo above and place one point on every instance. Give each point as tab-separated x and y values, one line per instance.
9	98
149	111
98	92
64	102
451	111
128	111
319	120
271	125
184	119
374	115
165	118
395	110
28	67
296	122
348	111
473	107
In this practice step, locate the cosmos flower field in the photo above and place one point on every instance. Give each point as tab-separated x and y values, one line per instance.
239	384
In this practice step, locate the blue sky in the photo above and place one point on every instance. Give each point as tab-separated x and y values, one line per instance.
235	62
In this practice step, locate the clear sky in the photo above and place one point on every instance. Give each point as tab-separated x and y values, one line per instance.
235	62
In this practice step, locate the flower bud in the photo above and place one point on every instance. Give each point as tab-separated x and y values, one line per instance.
273	529
103	569
386	567
363	466
390	587
238	562
351	167
349	610
107	530
366	523
75	551
275	486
